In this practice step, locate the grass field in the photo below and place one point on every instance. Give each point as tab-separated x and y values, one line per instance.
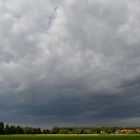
69	137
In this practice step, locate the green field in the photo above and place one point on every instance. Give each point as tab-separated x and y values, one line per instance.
69	137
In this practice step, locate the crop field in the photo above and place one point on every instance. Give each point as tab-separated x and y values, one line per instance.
70	137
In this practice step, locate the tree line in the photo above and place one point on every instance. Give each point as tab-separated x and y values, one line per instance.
11	129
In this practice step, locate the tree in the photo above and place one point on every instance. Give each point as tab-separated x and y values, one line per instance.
82	131
1	128
55	130
28	130
7	129
12	129
46	131
37	131
19	130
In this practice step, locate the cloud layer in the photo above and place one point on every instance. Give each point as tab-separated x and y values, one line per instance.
70	63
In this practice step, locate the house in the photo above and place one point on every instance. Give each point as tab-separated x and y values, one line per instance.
128	131
137	131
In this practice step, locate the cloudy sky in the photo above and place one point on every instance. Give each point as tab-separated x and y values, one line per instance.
70	62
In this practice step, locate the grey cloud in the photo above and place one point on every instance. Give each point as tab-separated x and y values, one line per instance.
130	81
69	63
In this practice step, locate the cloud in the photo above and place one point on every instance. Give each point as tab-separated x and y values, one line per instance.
69	61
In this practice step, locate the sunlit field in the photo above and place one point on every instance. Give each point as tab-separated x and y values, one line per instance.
70	137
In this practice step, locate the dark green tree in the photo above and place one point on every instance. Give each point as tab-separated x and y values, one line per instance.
55	130
46	131
19	130
7	129
37	131
28	130
1	128
12	129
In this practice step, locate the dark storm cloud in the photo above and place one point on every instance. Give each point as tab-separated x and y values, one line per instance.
69	62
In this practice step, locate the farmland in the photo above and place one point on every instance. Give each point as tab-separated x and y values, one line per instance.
70	137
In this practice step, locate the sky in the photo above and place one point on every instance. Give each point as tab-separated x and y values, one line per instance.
70	62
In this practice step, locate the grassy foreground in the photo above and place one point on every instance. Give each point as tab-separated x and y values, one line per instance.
70	137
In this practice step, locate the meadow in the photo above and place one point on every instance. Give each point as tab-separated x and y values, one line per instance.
70	137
